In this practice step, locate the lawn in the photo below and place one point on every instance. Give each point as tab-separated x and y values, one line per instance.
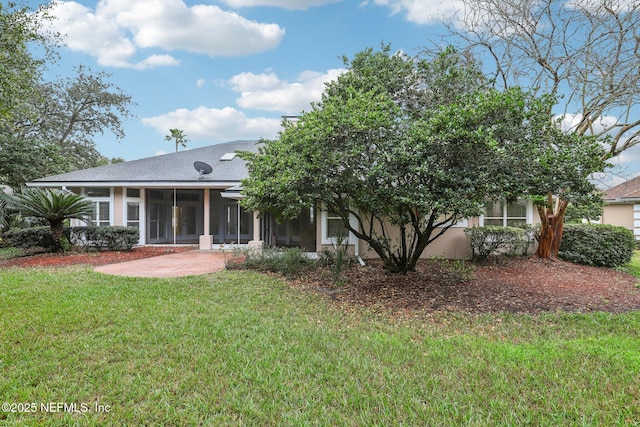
241	348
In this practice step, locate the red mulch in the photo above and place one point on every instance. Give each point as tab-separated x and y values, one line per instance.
93	258
517	285
514	285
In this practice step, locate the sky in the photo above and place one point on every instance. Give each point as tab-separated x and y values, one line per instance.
224	70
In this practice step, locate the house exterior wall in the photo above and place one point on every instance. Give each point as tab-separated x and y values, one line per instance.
453	244
118	206
620	214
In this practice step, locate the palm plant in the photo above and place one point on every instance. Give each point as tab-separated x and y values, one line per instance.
179	136
55	206
4	210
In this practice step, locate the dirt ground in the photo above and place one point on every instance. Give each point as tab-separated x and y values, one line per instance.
517	285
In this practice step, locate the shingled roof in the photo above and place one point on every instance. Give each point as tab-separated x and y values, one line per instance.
174	168
628	191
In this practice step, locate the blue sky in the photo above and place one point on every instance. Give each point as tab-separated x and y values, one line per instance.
229	69
223	70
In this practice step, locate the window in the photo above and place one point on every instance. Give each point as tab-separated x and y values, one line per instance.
101	214
133	211
333	228
505	214
133	214
460	223
101	198
91	192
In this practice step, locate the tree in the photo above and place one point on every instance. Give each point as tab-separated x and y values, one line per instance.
20	69
67	114
551	167
41	119
55	206
179	137
405	146
586	51
22	160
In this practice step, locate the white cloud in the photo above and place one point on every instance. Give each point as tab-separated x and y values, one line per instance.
118	29
97	35
209	124
423	11
200	83
286	4
156	61
267	92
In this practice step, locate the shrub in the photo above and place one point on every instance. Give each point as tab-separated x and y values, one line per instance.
111	238
337	257
286	261
601	245
31	237
494	240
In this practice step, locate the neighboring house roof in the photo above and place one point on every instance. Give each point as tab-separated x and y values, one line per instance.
175	168
628	191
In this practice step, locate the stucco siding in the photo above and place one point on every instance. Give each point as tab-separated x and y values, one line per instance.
453	244
619	214
118	206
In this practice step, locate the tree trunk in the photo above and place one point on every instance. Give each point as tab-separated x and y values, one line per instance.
558	227
551	228
57	231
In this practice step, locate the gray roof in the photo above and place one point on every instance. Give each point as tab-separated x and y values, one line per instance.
168	168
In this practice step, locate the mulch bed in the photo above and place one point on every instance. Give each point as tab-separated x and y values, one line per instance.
516	285
93	258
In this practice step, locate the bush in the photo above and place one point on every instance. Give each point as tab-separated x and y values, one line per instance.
494	240
286	261
111	238
601	245
31	237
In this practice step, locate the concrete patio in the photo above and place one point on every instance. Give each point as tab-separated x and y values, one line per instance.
172	265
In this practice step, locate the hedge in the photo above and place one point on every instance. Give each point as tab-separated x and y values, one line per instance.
31	237
601	245
494	240
110	238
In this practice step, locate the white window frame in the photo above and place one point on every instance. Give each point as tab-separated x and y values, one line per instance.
327	240
461	223
95	200
125	213
528	215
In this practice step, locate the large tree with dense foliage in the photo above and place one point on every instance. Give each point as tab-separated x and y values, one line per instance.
585	53
42	120
20	69
68	113
405	146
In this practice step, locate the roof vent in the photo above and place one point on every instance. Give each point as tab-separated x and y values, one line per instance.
227	157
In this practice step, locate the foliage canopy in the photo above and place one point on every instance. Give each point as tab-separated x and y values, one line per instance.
47	127
408	147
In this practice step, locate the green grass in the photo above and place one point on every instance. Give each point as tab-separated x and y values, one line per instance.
634	266
240	348
10	252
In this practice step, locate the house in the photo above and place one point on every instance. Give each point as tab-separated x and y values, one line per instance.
623	206
192	197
